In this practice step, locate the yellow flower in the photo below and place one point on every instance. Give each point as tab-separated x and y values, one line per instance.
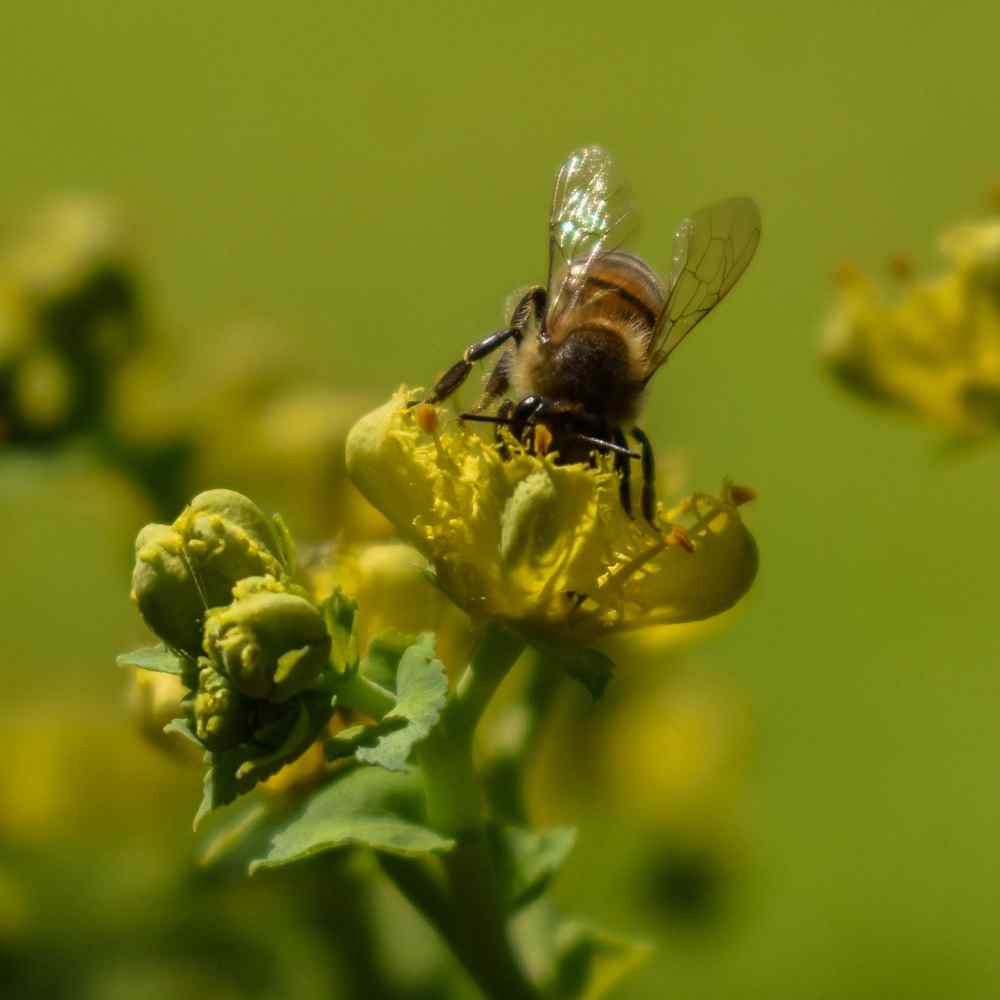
544	548
932	348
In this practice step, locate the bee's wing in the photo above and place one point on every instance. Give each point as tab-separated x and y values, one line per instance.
712	248
592	213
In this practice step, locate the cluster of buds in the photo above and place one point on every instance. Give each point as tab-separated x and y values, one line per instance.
929	347
215	586
70	312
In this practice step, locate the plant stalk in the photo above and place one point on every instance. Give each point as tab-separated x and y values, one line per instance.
455	807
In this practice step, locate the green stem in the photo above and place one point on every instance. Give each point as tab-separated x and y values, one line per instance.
363	695
455	807
514	738
497	652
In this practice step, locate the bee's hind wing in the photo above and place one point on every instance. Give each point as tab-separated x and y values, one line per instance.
712	248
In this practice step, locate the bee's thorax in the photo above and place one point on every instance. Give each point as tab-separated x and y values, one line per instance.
595	352
595	367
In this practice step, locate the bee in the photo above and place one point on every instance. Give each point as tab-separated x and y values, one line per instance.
578	352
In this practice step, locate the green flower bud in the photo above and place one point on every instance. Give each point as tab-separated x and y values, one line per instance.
163	588
183	569
227	537
271	642
221	714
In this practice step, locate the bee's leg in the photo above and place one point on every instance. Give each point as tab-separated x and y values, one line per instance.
531	305
459	371
497	384
506	409
624	469
648	500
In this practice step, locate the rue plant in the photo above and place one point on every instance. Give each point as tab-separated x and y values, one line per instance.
536	561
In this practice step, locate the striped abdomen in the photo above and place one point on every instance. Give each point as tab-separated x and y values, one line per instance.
616	288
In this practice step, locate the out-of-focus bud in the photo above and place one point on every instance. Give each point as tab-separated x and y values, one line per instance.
389	581
185	568
154	699
43	392
75	258
221	714
290	448
271	642
17	334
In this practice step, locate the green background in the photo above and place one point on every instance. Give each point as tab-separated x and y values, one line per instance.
375	178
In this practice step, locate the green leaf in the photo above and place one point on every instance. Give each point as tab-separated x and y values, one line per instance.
341	616
348	741
219	786
592	668
363	806
381	662
527	860
183	727
421	692
234	829
155	658
591	962
571	960
230	773
296	741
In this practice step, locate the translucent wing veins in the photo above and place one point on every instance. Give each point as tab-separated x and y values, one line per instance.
712	248
592	213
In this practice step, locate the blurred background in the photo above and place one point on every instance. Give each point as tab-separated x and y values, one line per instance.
313	203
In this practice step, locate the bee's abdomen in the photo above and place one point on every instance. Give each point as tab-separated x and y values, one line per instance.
623	283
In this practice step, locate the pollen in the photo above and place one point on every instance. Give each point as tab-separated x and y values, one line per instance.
543	439
740	495
678	536
426	418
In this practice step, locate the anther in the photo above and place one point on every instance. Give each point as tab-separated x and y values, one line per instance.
426	418
678	536
543	439
740	495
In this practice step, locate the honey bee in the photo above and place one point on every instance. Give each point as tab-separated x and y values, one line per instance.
579	352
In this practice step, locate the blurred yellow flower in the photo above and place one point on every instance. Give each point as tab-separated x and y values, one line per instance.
389	581
544	548
933	347
68	244
154	699
676	755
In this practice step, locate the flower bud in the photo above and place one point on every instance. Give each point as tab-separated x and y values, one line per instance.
221	714
183	569
227	538
271	642
163	588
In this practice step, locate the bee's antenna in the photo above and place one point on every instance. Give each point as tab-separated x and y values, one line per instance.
485	418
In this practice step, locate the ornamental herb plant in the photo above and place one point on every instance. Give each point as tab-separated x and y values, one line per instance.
327	719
